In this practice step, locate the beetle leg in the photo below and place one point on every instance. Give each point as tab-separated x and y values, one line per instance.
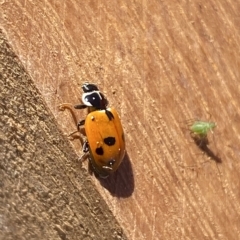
85	150
84	156
70	135
68	106
63	106
81	123
80	106
85	146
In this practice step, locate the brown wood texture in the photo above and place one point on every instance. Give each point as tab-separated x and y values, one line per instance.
160	63
44	193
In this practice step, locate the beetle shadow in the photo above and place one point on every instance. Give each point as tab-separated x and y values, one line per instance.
120	183
202	144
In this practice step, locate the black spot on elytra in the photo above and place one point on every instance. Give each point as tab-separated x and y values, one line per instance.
110	141
109	114
99	151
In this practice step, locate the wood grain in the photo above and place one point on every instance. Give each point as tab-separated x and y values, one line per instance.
44	192
160	64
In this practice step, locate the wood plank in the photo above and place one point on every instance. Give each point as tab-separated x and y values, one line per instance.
160	64
44	193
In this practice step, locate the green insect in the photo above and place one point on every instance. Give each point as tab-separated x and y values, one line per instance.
200	128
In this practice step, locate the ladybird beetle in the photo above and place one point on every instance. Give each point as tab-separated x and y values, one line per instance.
104	145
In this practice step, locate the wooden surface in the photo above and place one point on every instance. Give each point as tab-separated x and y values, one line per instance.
160	64
44	193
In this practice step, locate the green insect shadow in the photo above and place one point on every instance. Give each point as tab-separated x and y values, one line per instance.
203	143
